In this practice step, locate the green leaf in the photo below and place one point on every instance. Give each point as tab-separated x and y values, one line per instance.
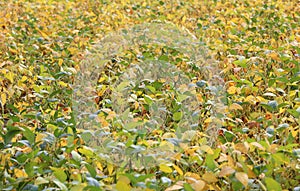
210	163
177	116
59	174
91	170
230	136
272	185
151	88
29	169
132	125
280	158
10	134
267	106
187	187
148	99
86	151
86	135
294	112
29	135
142	178
236	185
242	63
164	58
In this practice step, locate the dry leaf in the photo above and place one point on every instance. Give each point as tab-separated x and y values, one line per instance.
242	177
225	171
209	177
198	185
235	106
241	147
174	187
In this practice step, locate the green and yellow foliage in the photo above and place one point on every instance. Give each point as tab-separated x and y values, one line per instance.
256	45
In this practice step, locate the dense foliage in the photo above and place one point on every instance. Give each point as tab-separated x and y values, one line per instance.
254	43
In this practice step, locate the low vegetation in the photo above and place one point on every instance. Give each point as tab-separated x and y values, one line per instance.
251	144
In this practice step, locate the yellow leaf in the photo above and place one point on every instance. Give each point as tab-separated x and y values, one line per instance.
102	79
9	76
294	133
191	177
102	121
13	51
198	185
122	186
225	171
251	99
63	142
99	165
234	37
23	79
110	168
72	50
241	147
20	173
165	168
87	151
60	62
178	169
242	177
231	90
250	172
274	56
63	84
4	158
124	179
235	106
39	137
191	151
44	35
177	156
174	187
200	98
230	161
209	177
111	115
93	19
207	149
208	120
3	99
79	187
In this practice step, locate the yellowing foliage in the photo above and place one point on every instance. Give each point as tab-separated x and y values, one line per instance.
253	143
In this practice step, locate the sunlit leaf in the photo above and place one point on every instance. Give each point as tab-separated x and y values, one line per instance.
242	177
226	171
165	168
272	185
